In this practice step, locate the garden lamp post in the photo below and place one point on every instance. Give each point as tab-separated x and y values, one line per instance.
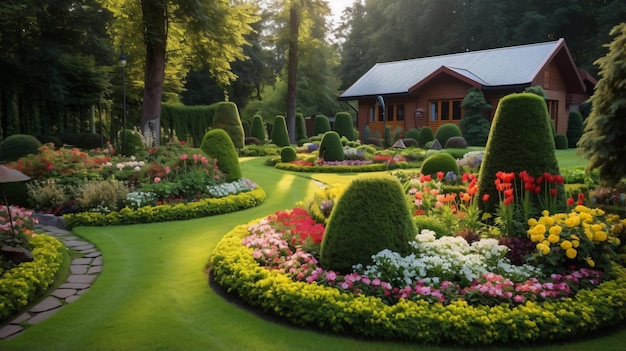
123	64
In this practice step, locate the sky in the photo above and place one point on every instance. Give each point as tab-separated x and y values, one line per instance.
337	7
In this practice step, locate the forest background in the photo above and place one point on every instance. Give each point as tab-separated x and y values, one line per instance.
59	59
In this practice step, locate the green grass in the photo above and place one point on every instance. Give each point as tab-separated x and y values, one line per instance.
154	294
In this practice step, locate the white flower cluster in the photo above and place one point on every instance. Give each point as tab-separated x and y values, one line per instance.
448	258
139	198
232	188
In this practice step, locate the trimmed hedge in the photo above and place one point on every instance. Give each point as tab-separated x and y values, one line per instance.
321	125
26	282
18	145
279	135
447	131
425	135
258	129
343	125
288	154
166	213
575	128
331	148
218	145
227	118
188	123
329	309
440	162
300	127
561	142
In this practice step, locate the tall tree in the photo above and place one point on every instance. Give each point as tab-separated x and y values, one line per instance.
292	68
181	34
604	139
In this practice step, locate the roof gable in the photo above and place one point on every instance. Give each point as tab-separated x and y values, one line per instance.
516	65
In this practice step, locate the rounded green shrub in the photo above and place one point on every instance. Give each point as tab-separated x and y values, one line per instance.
561	142
89	141
45	139
18	145
134	143
447	131
287	154
439	162
520	140
218	145
425	135
372	214
331	148
300	127
431	223
279	134
413	133
343	125
410	142
321	125
456	142
575	128
227	118
258	129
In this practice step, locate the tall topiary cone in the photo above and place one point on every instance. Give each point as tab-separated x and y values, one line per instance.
520	139
371	215
331	148
218	145
279	135
301	132
321	125
344	126
258	129
227	118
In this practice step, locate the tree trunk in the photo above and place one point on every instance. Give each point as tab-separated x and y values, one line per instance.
292	70
155	37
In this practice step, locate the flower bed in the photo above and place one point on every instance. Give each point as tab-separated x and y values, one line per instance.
233	266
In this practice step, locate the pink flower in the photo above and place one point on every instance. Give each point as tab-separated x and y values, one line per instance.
183	157
167	169
157	179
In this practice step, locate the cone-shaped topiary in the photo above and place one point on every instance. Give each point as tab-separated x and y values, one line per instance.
520	140
343	125
279	132
561	142
300	127
425	135
371	215
413	134
575	128
18	145
440	162
387	137
321	125
447	131
227	118
218	145
258	130
331	148
287	154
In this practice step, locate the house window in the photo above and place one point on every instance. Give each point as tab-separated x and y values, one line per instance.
372	113
400	113
381	114
446	110
390	112
553	109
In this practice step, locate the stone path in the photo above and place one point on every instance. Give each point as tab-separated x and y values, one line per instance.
83	272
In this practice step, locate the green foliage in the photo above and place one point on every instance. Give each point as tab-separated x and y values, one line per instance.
372	214
520	139
18	145
456	142
366	133
86	141
331	148
431	223
474	126
387	139
425	135
344	126
188	123
258	129
575	128
603	142
561	142
447	131
440	162
279	134
227	118
320	206
413	134
537	90
300	127
287	154
169	212
321	125
218	145
134	143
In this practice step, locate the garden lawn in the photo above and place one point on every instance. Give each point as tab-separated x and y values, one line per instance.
154	294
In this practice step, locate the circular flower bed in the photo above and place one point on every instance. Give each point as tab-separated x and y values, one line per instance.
331	308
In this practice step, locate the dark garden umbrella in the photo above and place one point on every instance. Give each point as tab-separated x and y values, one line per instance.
9	175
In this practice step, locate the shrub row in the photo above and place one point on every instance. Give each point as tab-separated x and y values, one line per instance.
372	167
22	284
233	267
168	212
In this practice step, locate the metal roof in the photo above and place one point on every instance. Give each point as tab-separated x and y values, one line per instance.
513	65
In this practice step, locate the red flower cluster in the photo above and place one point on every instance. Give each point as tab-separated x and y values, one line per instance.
504	185
533	184
299	224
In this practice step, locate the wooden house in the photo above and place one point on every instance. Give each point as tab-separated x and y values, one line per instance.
429	91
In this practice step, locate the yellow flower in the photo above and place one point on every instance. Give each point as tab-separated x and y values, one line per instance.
590	262
540	229
547	221
555	230
553	238
597	212
582	209
596	227
532	222
566	244
599	236
536	238
589	234
572	221
571	253
543	248
575	243
545	213
586	217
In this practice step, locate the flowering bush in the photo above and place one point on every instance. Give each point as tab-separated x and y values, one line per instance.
18	230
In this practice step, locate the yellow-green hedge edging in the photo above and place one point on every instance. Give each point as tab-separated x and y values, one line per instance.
22	284
372	167
233	267
164	213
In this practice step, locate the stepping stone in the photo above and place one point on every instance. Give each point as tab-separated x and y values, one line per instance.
80	261
72	298
83	247
81	292
94	254
81	278
76	243
41	316
9	330
79	269
49	303
88	251
97	261
63	293
77	286
23	317
94	270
